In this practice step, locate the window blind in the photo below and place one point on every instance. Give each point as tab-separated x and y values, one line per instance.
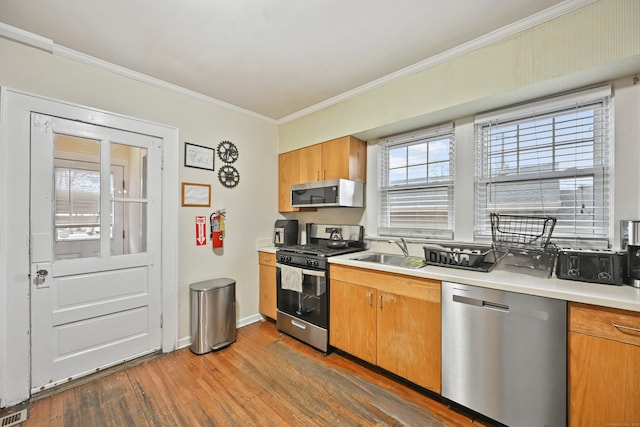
415	184
550	159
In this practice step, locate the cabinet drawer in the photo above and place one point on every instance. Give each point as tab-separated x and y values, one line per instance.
267	258
609	323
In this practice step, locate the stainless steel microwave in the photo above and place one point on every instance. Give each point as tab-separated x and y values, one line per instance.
334	193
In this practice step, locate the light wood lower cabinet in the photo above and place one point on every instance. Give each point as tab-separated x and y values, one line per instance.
604	366
352	323
390	320
268	291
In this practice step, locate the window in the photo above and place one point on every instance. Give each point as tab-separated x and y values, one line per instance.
416	185
547	158
77	203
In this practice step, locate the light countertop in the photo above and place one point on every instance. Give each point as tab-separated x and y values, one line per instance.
268	249
622	297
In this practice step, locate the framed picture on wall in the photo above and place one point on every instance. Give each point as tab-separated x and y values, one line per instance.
196	194
197	156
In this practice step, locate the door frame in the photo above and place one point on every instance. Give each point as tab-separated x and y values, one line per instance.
15	318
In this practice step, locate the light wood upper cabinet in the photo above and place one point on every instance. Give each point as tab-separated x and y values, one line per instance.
604	366
390	320
311	163
268	290
344	158
288	175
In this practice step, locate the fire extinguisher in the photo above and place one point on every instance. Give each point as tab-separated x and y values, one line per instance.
217	228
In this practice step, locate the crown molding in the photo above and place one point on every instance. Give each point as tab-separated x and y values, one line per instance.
25	37
144	78
47	45
482	41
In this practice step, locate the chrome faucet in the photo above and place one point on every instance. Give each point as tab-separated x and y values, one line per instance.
402	245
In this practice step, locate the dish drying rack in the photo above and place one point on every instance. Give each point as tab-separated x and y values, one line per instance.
523	243
466	257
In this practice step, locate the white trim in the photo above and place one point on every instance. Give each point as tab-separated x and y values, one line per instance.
38	42
134	75
482	41
14	237
249	320
3	248
25	37
241	323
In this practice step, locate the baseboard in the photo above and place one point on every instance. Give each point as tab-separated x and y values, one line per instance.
245	321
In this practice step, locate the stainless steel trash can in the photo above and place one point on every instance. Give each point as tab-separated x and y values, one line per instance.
213	314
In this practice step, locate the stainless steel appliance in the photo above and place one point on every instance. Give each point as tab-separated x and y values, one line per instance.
630	240
285	232
303	286
592	265
504	354
334	193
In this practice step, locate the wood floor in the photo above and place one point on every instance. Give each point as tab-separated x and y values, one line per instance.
264	379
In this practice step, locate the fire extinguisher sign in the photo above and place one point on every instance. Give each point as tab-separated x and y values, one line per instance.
201	231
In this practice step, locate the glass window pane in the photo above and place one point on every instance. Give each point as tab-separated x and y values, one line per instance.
132	160
417	154
417	174
439	150
397	176
397	157
76	219
130	219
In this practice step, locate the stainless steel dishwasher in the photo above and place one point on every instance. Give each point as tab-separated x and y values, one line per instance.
504	355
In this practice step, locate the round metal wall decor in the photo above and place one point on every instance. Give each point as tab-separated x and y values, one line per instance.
228	152
228	176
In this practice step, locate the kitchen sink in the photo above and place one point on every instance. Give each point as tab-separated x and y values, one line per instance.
390	259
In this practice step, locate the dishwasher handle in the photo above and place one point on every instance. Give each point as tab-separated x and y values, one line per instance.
481	303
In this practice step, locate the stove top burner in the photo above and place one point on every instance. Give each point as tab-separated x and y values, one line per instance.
318	250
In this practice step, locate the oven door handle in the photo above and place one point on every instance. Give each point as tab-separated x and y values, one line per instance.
318	273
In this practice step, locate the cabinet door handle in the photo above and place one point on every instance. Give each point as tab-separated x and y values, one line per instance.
324	174
370	298
380	302
627	328
317	175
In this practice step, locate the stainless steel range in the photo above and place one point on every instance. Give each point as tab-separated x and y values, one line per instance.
302	276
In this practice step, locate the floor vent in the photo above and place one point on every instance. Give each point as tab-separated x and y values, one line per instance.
13	419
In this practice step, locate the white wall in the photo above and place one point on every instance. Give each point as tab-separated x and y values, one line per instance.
251	206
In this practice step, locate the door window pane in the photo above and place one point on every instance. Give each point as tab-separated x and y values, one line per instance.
129	204
77	198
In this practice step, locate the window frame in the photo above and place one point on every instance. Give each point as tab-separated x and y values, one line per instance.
600	171
385	188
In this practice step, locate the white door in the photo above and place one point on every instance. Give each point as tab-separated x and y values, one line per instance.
95	248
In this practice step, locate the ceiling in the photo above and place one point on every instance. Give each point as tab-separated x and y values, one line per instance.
275	58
